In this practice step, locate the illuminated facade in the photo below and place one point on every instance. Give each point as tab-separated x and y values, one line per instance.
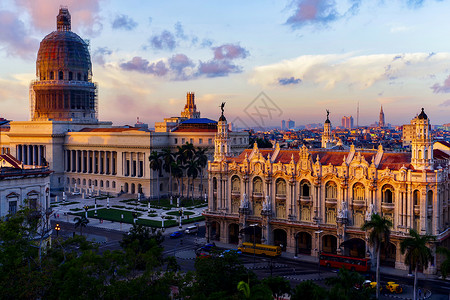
311	200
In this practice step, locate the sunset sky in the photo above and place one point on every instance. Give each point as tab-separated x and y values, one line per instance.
306	56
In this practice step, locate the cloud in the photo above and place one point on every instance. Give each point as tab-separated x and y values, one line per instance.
179	31
217	68
229	51
445	103
357	71
319	12
15	38
445	88
141	65
99	55
84	14
206	43
124	22
163	41
289	81
179	63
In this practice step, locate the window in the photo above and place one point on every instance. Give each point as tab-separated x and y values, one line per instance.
416	197
70	76
305	189
101	183
280	187
176	141
200	141
79	76
183	140
388	194
236	184
358	192
330	190
191	141
12	207
113	184
107	183
257	185
61	75
210	141
51	75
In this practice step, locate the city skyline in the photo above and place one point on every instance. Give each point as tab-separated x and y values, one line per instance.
306	56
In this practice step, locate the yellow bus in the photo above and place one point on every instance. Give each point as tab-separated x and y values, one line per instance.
268	250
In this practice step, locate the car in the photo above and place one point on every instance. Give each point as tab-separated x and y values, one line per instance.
176	234
230	251
202	255
208	247
191	229
393	287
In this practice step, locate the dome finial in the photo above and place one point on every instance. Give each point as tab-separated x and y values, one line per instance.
63	20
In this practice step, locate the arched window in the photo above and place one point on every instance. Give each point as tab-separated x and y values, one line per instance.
215	184
78	181
358	191
236	184
430	198
280	187
330	190
84	181
416	197
95	182
257	185
305	189
79	76
101	183
61	75
51	75
425	154
113	184
420	155
107	183
388	194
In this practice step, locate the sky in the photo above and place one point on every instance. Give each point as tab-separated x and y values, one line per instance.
268	60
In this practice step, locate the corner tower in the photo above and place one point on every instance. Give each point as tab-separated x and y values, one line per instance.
63	89
222	145
421	144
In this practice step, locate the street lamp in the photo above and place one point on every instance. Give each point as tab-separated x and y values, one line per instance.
86	210
254	242
318	232
95	206
57	228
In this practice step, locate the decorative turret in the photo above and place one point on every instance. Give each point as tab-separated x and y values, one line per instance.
190	109
326	136
222	147
422	145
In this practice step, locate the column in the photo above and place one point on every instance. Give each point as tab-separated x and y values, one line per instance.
138	163
95	161
89	154
19	152
40	155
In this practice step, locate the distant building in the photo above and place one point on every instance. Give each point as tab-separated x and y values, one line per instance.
290	124
381	123
347	122
283	124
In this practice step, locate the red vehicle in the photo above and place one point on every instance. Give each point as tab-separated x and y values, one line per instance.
339	261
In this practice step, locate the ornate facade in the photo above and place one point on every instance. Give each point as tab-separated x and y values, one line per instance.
311	200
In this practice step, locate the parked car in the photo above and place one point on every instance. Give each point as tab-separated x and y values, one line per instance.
230	251
203	255
176	234
393	287
208	247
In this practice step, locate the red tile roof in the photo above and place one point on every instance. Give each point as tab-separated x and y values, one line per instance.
11	160
440	154
445	143
108	129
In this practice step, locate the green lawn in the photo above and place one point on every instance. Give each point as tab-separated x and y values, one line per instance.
115	215
68	203
177	213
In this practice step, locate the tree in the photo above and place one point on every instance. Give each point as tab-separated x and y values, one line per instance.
278	285
177	172
81	222
308	290
202	161
156	165
380	231
168	159
347	285
418	255
192	170
445	265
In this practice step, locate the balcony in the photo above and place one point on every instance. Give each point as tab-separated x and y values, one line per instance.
358	204
305	200
280	196
430	209
257	195
417	209
387	207
330	202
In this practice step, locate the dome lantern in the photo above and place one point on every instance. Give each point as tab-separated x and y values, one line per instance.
63	19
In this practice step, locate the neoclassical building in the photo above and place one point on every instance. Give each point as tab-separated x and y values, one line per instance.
311	200
88	155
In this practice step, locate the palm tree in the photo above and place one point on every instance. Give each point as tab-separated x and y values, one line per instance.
380	231
445	265
417	253
155	165
168	159
177	172
192	170
81	222
202	161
